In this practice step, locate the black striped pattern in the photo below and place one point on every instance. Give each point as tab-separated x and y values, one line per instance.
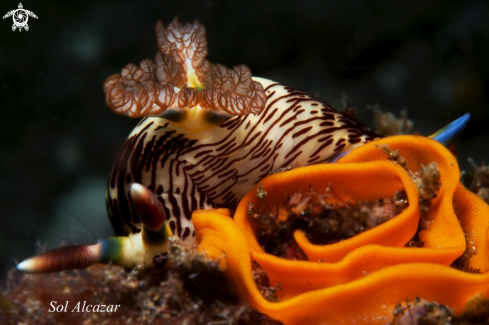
216	167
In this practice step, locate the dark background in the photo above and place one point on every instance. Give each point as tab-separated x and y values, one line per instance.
58	139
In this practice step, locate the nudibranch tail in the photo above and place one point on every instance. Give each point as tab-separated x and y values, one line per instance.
180	80
450	133
446	136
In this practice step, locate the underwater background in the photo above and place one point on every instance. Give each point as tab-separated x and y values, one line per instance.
58	139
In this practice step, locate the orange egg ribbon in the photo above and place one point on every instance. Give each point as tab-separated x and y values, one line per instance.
360	279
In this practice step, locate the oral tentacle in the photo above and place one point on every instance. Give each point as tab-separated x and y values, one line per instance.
62	259
105	251
123	251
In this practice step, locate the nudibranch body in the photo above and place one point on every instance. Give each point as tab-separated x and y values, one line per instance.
191	164
218	166
209	135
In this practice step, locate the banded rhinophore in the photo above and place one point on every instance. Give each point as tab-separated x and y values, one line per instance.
208	135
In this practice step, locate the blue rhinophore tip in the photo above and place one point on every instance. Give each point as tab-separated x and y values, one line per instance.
451	132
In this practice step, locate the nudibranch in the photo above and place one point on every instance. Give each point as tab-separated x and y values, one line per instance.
208	135
211	133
